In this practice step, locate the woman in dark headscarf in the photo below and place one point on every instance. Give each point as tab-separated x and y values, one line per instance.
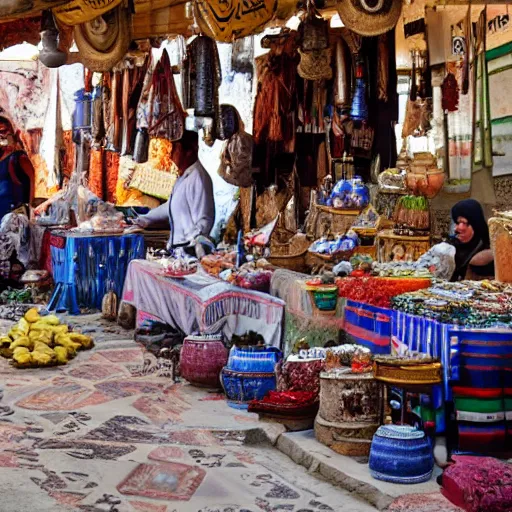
474	258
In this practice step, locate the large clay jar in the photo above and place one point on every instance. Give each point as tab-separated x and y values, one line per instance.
425	178
202	359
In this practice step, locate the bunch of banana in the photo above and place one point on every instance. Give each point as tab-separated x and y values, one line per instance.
41	341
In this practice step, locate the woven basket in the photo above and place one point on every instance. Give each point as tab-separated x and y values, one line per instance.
291	254
500	230
411	374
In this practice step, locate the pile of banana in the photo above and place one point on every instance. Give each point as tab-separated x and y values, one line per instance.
41	341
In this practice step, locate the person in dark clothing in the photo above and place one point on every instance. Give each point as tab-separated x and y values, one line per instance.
473	258
16	171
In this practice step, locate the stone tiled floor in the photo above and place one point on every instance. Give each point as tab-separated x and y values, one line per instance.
108	433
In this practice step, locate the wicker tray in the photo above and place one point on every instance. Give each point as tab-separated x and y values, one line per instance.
408	374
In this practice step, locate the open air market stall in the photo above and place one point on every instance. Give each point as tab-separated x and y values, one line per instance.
296	193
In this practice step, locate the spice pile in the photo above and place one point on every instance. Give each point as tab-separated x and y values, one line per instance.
469	303
378	291
41	341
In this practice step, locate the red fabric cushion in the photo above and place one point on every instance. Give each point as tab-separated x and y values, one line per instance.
479	484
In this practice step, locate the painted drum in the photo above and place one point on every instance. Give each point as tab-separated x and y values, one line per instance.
401	454
253	359
202	359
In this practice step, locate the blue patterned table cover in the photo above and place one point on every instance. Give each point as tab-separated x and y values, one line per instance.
90	266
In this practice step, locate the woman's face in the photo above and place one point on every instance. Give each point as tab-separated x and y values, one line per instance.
463	230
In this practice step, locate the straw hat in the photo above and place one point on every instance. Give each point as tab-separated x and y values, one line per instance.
369	17
104	41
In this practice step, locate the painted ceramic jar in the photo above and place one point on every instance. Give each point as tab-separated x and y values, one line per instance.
242	387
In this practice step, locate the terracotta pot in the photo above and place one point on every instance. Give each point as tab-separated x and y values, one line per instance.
427	184
202	360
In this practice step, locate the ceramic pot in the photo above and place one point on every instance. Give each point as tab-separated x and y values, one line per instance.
242	387
401	454
202	360
253	359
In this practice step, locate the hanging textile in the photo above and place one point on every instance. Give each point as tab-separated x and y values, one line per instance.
80	11
459	126
275	99
482	182
275	107
137	79
225	21
111	175
166	114
96	185
483	135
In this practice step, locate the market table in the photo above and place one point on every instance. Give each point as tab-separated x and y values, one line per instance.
301	320
86	267
203	303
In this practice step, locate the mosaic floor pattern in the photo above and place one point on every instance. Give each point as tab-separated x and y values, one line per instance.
110	432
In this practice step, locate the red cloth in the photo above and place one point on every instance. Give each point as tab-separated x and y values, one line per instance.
479	484
45	261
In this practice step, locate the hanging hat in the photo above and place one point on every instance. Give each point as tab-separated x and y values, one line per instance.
225	20
369	17
76	12
104	41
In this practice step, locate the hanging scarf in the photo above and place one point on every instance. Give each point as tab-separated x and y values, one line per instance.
166	115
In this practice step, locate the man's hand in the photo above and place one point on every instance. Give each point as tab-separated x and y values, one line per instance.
141	222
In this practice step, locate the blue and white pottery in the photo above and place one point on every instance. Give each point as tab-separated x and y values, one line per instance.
242	387
401	454
253	359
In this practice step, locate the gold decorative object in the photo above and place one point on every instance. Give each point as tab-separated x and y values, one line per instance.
407	372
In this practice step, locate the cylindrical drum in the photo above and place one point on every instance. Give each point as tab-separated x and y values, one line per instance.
349	412
202	359
401	454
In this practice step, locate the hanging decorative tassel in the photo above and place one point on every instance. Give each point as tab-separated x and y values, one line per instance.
450	93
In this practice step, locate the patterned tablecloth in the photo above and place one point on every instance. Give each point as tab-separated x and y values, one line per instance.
87	267
202	303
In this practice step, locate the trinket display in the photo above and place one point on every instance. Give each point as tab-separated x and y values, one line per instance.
349	194
393	181
393	247
466	303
